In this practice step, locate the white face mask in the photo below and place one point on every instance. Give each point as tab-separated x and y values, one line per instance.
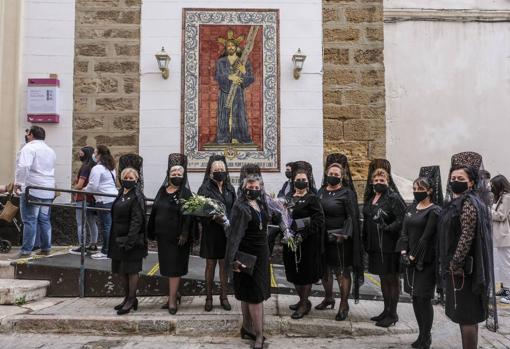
94	158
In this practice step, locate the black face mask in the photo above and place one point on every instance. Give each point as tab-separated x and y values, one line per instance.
128	184
252	194
26	139
219	176
380	188
176	181
333	180
301	185
458	187
419	196
82	158
288	174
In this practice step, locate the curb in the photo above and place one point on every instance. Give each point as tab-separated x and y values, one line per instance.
191	325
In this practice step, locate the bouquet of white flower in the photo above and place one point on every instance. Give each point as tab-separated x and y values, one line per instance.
200	206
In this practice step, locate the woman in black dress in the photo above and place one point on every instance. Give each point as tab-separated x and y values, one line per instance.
172	230
383	213
248	236
304	267
417	246
216	185
128	238
465	248
343	251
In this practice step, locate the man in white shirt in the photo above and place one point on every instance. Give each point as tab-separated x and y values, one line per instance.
35	166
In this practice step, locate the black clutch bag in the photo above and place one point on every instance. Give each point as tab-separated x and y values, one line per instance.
248	260
345	232
301	223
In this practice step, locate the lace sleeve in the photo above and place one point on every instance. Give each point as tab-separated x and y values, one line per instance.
468	218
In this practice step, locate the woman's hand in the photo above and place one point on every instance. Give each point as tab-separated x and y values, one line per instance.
238	266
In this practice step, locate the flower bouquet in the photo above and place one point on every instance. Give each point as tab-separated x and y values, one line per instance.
200	206
290	238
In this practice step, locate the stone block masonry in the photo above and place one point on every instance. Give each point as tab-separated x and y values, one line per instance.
353	85
107	79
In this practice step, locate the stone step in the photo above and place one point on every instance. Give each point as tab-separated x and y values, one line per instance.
6	270
186	325
14	291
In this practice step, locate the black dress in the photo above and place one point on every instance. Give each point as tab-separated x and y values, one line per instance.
248	235
213	242
338	205
308	269
380	239
459	229
128	240
166	225
418	239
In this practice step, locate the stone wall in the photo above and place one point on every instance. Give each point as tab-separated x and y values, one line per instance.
354	104
106	75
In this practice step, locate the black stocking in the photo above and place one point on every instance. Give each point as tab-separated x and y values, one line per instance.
327	282
391	292
344	283
424	313
210	269
385	292
469	335
133	286
306	290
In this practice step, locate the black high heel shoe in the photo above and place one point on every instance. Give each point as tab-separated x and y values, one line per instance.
208	304
387	321
133	306
225	304
426	342
296	315
119	306
417	342
249	335
325	304
262	346
342	314
294	306
379	317
178	301
172	311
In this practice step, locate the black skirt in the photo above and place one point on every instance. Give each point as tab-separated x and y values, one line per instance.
120	266
213	243
173	259
420	283
254	288
470	308
338	256
389	264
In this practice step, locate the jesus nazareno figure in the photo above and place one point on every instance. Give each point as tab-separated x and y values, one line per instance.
232	119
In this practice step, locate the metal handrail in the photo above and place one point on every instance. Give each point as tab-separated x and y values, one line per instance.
84	207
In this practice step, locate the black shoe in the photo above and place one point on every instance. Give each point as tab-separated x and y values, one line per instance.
296	315
245	334
417	342
379	317
387	321
342	314
325	304
225	304
75	251
208	304
426	342
119	306
92	248
172	311
262	346
294	306
133	306
43	253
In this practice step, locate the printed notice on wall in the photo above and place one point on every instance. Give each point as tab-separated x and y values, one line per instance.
42	100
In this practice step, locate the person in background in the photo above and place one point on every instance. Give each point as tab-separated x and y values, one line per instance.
82	179
35	167
383	213
417	246
343	248
500	188
247	234
102	180
171	228
128	241
213	243
465	245
287	186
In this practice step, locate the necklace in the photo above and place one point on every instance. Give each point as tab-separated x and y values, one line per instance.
256	208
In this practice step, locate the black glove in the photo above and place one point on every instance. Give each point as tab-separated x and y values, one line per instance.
404	259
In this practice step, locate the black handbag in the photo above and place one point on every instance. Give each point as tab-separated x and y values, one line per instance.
301	223
248	260
345	232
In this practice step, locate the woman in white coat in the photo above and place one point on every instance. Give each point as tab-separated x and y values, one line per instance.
500	187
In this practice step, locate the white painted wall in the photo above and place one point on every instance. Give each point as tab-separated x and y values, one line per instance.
447	89
48	47
300	100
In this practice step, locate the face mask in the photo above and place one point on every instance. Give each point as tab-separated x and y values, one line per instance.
26	139
420	195
333	181
128	184
94	158
82	158
288	174
301	185
252	194
380	188
219	176
458	187
176	181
